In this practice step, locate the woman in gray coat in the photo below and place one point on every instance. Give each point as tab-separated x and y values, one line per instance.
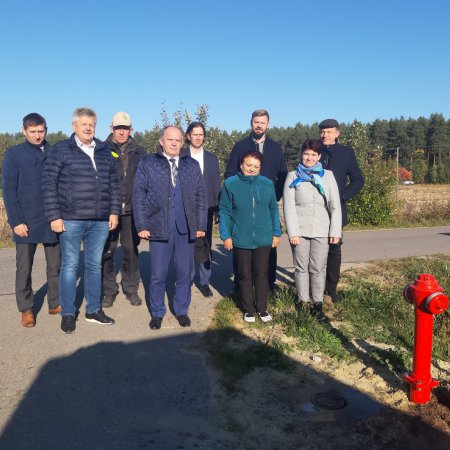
313	217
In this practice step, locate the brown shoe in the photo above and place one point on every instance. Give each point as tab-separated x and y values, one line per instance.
54	311
28	318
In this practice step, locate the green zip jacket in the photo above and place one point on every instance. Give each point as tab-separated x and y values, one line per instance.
249	211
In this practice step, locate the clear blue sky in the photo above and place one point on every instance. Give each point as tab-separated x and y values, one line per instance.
303	61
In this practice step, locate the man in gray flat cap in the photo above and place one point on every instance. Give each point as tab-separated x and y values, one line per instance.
341	160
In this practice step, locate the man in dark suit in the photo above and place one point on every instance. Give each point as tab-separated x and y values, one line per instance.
170	205
273	167
209	165
342	162
22	194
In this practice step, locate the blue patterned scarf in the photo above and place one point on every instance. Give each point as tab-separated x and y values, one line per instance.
312	174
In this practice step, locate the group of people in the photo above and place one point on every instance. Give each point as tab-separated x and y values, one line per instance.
83	190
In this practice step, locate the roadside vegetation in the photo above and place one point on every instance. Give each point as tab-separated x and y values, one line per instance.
387	151
373	314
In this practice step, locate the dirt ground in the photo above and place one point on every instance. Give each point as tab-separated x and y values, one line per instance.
328	404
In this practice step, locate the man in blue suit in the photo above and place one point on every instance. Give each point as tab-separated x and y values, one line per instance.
170	206
22	194
209	165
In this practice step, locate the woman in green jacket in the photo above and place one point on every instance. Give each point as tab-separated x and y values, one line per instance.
250	226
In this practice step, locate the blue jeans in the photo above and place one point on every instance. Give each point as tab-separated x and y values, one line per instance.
93	233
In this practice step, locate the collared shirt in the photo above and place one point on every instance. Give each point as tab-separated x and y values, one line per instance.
88	149
198	156
260	146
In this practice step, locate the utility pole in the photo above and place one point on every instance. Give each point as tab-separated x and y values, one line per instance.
396	163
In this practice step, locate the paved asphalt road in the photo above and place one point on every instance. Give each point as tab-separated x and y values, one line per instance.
125	386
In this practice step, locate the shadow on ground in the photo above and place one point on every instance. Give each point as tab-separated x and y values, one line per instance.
160	394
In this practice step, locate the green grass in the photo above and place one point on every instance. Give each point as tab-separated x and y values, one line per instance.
438	222
373	311
374	307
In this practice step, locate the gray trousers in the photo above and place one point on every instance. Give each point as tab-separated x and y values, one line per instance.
24	264
310	263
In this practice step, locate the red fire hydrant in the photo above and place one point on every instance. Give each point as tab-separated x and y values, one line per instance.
428	299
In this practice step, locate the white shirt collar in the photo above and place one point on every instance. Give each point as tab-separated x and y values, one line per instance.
91	146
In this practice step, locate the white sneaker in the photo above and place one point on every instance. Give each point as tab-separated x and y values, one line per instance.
249	317
265	316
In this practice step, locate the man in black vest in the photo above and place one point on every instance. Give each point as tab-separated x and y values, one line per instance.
342	162
273	167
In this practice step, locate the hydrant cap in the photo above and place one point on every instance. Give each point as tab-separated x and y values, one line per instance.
436	303
427	281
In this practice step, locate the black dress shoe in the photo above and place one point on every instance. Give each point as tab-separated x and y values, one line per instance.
205	290
335	297
184	321
155	323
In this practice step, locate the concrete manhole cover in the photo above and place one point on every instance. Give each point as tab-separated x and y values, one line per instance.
328	400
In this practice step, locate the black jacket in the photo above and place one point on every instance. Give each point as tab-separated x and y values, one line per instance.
274	163
342	162
73	189
126	177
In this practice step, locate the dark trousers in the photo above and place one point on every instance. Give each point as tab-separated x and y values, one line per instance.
204	269
129	270
24	264
182	249
252	266
333	267
271	270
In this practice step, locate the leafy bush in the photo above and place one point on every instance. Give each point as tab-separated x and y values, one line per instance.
374	204
404	174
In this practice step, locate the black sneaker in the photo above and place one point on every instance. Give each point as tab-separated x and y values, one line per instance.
134	299
205	290
99	317
68	324
108	301
184	320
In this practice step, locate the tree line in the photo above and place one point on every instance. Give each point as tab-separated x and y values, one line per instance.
421	145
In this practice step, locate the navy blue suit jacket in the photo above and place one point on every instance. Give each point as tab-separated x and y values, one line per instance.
22	192
342	162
